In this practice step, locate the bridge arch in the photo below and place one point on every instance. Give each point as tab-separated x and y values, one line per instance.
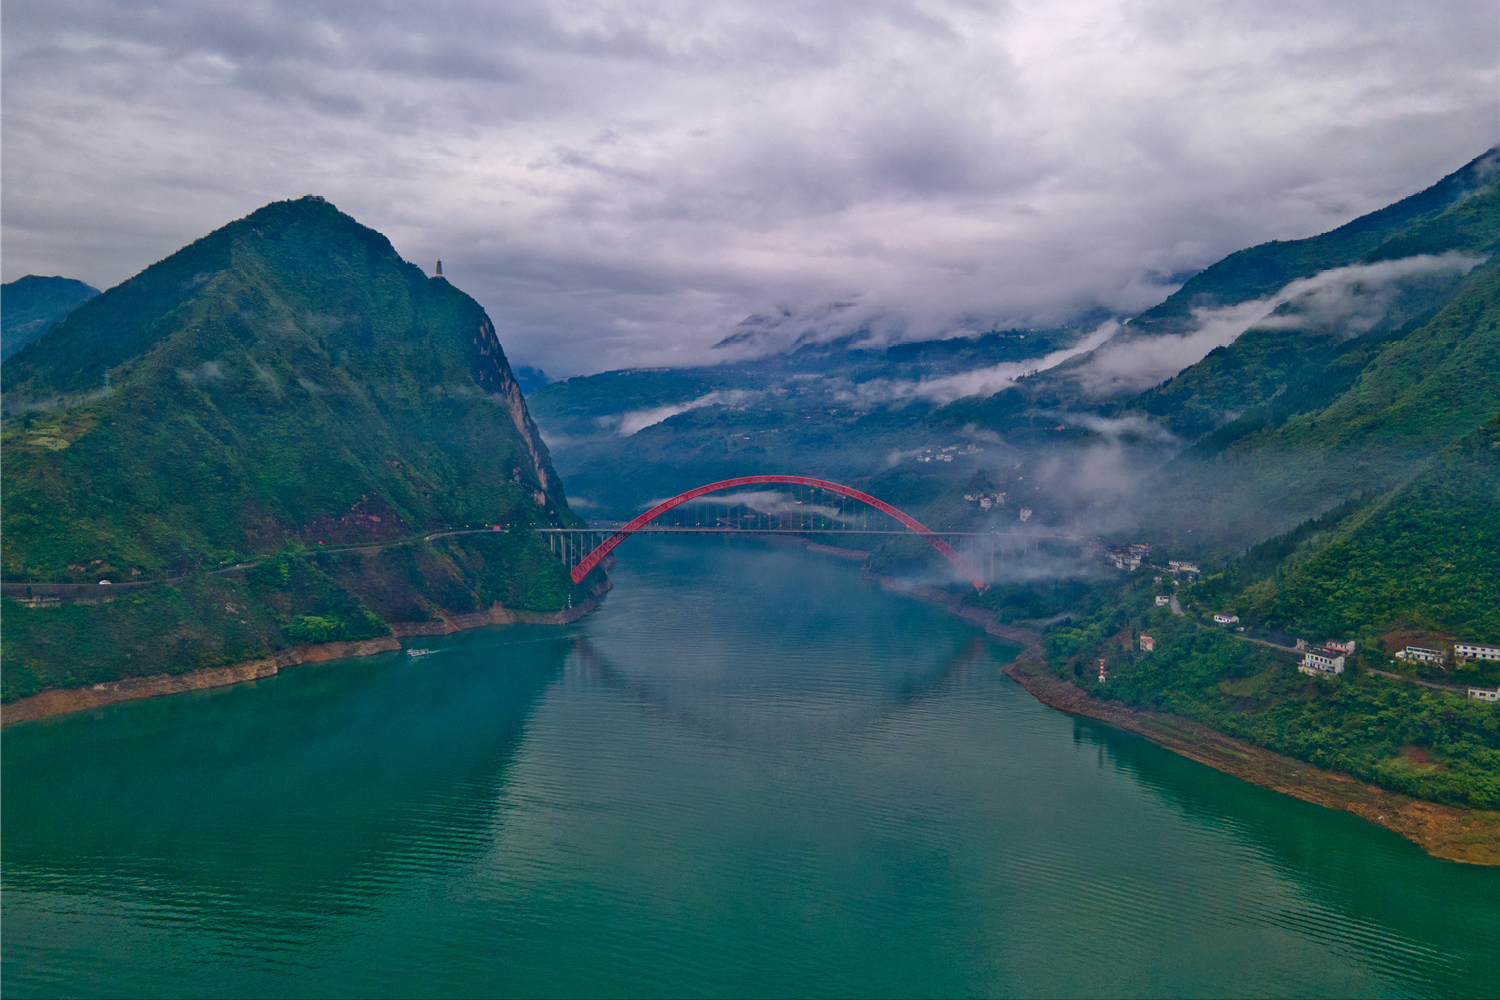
604	548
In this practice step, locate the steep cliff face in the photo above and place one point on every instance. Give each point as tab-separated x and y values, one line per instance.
280	375
278	392
492	372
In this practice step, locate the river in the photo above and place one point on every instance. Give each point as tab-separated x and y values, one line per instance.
749	773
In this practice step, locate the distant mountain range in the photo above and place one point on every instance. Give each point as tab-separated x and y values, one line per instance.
1272	387
288	384
1313	424
30	305
283	422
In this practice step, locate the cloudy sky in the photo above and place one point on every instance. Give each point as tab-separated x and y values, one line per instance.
624	183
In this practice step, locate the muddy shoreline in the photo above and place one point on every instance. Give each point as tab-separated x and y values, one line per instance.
64	701
1471	836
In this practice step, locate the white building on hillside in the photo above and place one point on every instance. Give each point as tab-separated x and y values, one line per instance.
1223	619
1322	661
1421	653
1484	694
1474	651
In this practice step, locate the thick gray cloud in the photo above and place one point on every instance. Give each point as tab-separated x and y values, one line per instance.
623	183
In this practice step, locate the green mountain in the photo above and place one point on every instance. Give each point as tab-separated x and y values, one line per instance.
286	383
1363	393
30	305
1295	417
1358	449
1334	465
1347	361
1417	564
1296	413
1455	214
839	410
1424	557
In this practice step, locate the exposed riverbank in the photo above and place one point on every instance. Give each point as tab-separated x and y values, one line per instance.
62	701
1471	836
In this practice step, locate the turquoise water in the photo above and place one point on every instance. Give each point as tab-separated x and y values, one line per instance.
749	773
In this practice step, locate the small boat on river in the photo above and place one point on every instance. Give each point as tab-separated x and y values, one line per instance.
414	653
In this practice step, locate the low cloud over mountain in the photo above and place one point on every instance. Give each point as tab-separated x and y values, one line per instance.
1340	302
624	185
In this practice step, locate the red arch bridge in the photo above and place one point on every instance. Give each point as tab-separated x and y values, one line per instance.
847	511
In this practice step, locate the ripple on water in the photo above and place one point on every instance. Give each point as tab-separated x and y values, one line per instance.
748	773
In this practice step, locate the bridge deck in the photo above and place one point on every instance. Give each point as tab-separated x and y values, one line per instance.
668	529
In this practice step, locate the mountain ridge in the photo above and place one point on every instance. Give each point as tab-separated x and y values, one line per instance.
285	383
1258	270
31	304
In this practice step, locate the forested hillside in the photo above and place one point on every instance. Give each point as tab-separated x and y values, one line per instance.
1336	419
30	305
1326	448
1457	214
286	378
1426	557
285	384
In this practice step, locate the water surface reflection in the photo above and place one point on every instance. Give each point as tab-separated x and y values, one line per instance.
749	772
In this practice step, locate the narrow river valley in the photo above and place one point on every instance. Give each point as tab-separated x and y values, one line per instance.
749	773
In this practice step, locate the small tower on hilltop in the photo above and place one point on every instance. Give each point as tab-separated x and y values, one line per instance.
439	272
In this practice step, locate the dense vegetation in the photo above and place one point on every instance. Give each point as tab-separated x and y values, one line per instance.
1427	558
1420	564
1336	479
283	383
205	621
1395	734
1334	421
30	305
296	596
303	374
